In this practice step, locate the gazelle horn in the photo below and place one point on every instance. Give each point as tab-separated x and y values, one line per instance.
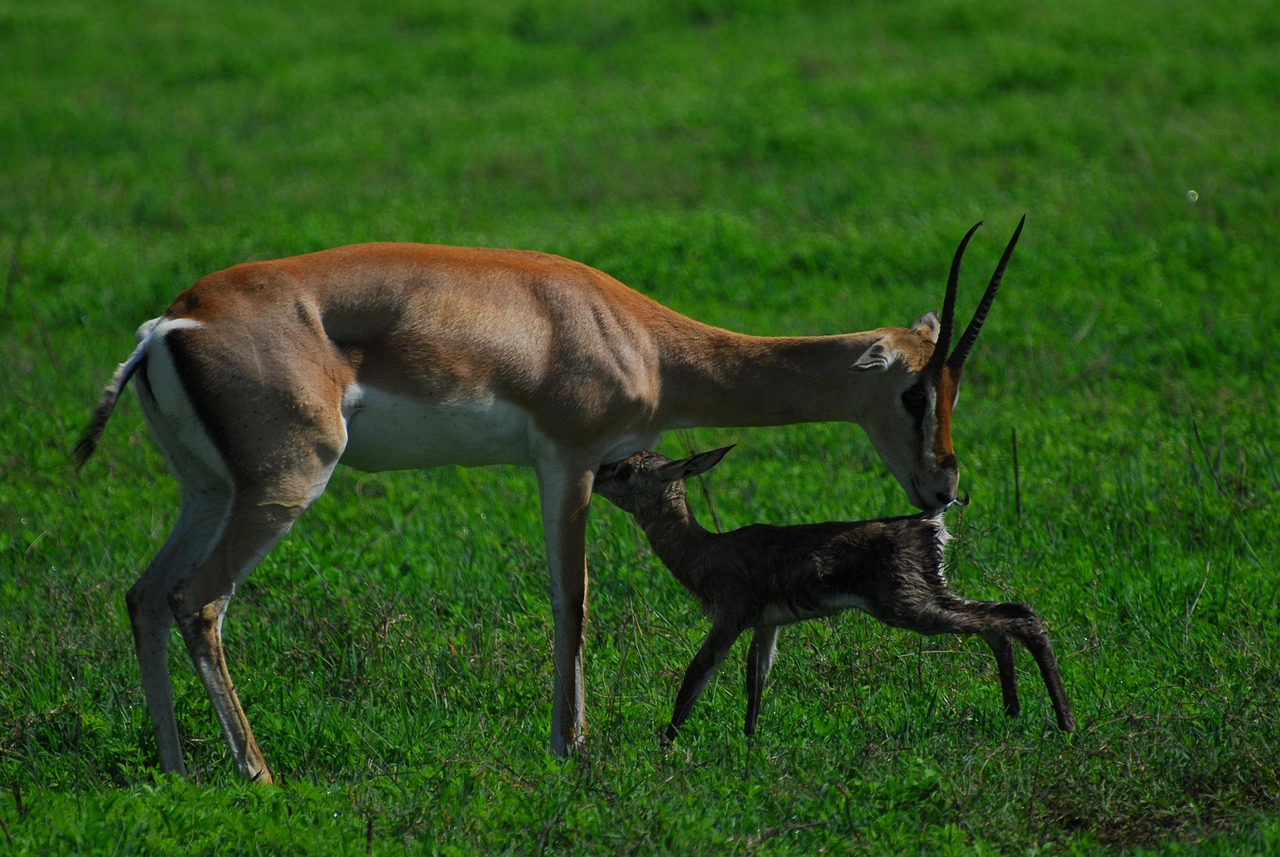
949	306
956	361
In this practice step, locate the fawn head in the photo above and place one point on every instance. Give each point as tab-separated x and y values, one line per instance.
647	481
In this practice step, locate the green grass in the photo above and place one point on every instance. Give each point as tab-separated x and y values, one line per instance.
803	171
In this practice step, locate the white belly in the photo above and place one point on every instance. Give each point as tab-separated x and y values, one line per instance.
390	432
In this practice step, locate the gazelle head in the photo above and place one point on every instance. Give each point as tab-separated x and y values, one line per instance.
908	416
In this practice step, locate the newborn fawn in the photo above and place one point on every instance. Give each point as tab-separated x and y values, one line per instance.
762	577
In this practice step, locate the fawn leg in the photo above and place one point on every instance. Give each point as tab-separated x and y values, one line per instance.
944	613
764	645
1002	648
1021	621
1042	650
703	666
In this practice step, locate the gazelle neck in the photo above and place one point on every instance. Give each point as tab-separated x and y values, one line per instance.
729	379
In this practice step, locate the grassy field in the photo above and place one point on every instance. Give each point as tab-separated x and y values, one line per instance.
774	171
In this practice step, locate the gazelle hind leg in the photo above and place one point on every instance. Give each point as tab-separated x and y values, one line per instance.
199	603
200	522
267	451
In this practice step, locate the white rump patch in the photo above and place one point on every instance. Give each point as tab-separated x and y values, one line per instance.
174	424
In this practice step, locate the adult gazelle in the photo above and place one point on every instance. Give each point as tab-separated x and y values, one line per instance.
258	380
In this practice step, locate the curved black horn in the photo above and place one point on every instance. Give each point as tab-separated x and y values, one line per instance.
956	361
949	306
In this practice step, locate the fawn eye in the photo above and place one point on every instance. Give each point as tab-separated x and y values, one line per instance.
914	400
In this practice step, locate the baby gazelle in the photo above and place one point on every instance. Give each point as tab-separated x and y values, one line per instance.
762	577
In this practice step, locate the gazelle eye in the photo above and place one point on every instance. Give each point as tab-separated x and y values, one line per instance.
914	400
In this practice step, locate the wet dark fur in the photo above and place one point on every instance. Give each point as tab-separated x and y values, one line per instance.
761	576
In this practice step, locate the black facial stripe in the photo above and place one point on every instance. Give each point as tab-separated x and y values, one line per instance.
916	401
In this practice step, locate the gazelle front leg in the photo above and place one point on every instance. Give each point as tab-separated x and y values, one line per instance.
565	495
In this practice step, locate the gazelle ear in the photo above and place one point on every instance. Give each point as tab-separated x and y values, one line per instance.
693	465
878	358
927	325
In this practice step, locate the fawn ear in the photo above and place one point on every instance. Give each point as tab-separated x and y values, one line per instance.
693	465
